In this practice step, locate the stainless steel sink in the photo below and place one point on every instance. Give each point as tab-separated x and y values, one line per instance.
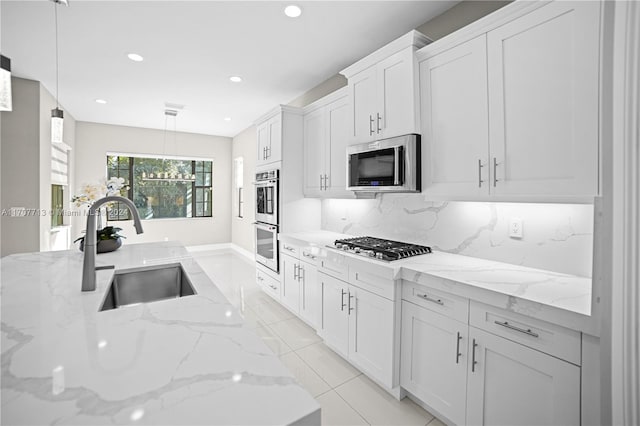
147	284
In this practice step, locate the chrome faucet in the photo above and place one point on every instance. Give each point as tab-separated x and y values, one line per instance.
89	264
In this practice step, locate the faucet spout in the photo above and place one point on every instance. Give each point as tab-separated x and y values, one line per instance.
89	262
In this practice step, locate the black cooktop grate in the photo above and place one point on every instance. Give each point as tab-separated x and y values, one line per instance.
391	250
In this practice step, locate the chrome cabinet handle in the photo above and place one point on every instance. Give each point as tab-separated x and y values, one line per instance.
326	182
288	248
320	182
273	286
480	166
295	271
521	330
300	273
473	356
428	299
260	279
379	117
310	256
370	125
342	299
350	308
495	166
458	354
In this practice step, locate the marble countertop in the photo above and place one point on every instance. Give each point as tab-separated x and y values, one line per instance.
182	361
550	296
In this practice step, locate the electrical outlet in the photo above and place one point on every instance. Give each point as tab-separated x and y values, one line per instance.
515	227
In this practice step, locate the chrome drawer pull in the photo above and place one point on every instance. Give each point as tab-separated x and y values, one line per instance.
310	256
473	356
521	330
289	248
273	286
427	298
458	354
342	299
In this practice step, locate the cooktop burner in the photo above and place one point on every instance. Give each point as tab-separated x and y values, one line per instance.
380	249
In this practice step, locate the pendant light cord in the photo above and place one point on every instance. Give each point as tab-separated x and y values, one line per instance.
55	8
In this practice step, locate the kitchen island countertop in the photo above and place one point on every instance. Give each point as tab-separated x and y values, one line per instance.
181	361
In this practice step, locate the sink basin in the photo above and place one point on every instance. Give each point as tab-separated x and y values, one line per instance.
147	284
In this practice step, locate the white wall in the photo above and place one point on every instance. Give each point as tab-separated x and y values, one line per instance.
93	143
26	166
557	237
244	145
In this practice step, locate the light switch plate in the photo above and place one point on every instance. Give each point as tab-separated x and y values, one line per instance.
515	227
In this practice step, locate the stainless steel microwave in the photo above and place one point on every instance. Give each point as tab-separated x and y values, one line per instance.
388	165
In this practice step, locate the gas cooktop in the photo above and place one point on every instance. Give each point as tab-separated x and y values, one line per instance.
380	249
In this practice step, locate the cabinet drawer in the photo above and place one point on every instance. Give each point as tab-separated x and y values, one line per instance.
290	249
310	255
372	282
270	285
453	306
543	336
334	264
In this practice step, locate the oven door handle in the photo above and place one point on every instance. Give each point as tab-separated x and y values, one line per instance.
396	165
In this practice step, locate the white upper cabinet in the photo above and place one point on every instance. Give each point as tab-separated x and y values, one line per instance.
326	128
543	98
269	141
512	112
383	96
455	140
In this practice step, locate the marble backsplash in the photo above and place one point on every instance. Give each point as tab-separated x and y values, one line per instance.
556	237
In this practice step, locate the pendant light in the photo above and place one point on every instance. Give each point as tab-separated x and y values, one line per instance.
57	116
163	175
5	84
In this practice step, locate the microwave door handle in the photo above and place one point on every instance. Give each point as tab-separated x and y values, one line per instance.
396	165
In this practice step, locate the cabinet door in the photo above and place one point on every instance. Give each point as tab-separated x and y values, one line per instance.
310	294
262	143
543	99
290	291
455	119
274	153
335	323
371	324
363	106
511	384
315	144
396	80
337	117
433	364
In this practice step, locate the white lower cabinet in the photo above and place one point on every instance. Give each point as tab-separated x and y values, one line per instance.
502	374
299	288
511	384
359	325
433	361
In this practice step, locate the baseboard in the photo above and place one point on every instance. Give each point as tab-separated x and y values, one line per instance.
222	246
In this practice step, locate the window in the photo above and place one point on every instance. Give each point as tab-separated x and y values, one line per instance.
57	203
238	165
163	187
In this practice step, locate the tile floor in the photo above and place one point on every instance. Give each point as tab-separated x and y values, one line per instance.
347	397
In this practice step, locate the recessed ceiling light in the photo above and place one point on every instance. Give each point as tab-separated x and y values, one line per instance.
292	11
101	101
235	78
135	57
227	119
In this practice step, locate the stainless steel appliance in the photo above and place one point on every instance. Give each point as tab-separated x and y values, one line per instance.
380	249
266	225
388	165
267	196
267	245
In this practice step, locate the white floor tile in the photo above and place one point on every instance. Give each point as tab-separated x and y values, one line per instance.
335	411
295	333
435	422
378	407
270	311
329	365
272	340
308	378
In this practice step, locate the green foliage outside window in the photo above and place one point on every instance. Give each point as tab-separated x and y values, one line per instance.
176	197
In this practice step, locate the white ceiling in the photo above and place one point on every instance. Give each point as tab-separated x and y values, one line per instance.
190	49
